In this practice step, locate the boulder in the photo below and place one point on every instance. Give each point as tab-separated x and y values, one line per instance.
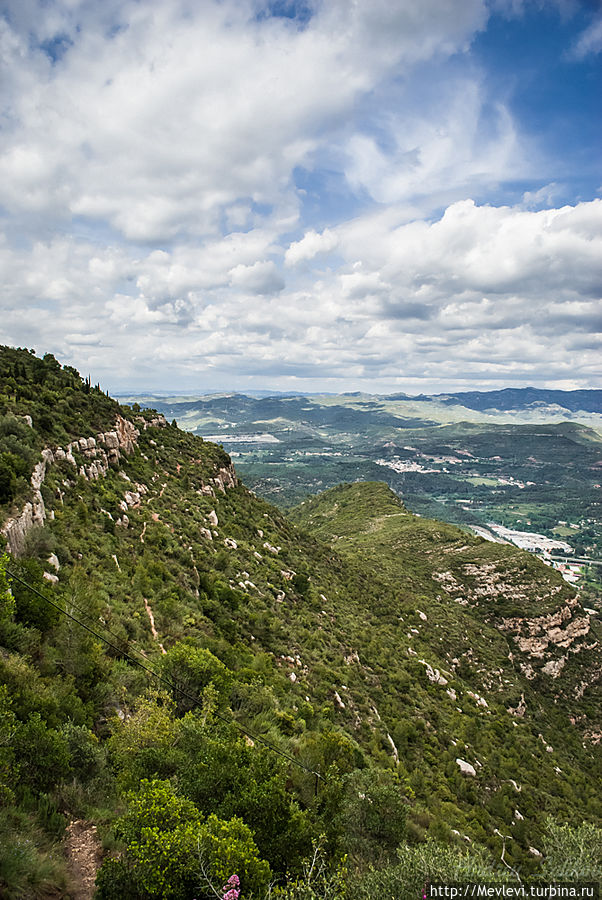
466	768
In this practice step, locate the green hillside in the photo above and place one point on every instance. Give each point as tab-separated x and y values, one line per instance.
201	687
522	468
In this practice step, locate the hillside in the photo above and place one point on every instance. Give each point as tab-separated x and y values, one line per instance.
354	676
534	469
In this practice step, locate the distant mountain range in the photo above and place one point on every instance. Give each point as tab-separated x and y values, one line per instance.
507	399
519	399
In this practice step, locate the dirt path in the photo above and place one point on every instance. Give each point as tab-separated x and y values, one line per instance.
84	855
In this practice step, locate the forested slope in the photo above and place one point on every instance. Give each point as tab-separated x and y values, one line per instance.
222	692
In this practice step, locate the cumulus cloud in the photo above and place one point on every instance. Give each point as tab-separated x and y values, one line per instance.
260	278
309	246
159	136
149	169
492	292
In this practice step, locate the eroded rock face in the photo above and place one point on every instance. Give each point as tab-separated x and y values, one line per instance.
225	478
488	581
159	421
559	629
94	457
16	529
128	435
33	513
98	452
554	667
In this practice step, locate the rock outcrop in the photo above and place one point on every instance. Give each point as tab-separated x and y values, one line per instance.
33	513
225	478
560	629
94	455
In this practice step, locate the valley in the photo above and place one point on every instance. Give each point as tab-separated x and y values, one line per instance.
540	472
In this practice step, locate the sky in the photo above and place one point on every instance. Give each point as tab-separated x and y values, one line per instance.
315	195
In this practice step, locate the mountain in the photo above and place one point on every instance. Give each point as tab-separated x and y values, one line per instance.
194	686
528	398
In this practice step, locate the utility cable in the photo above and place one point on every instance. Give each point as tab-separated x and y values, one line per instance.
197	701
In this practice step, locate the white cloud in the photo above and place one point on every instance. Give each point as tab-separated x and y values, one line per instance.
482	292
589	42
440	149
260	278
158	136
309	246
147	168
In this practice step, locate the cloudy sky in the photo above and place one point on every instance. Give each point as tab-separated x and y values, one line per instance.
304	194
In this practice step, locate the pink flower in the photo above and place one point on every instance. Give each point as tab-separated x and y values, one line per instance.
231	888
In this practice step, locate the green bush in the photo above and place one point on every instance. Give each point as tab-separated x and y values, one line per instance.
572	853
28	868
192	669
144	744
42	753
416	866
372	815
170	852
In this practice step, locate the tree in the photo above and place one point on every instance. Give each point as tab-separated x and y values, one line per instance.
191	670
372	817
143	745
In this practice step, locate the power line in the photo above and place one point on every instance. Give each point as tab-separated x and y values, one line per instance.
197	701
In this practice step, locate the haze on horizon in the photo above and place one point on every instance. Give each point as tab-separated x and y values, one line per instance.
310	195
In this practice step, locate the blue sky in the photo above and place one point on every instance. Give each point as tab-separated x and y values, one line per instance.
317	195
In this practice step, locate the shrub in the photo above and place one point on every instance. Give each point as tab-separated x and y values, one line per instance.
43	754
572	852
192	669
170	851
372	818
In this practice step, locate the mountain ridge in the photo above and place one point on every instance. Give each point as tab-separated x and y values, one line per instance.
334	651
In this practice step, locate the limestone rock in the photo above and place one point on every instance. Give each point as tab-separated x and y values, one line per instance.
554	667
520	709
466	768
560	629
433	675
127	435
